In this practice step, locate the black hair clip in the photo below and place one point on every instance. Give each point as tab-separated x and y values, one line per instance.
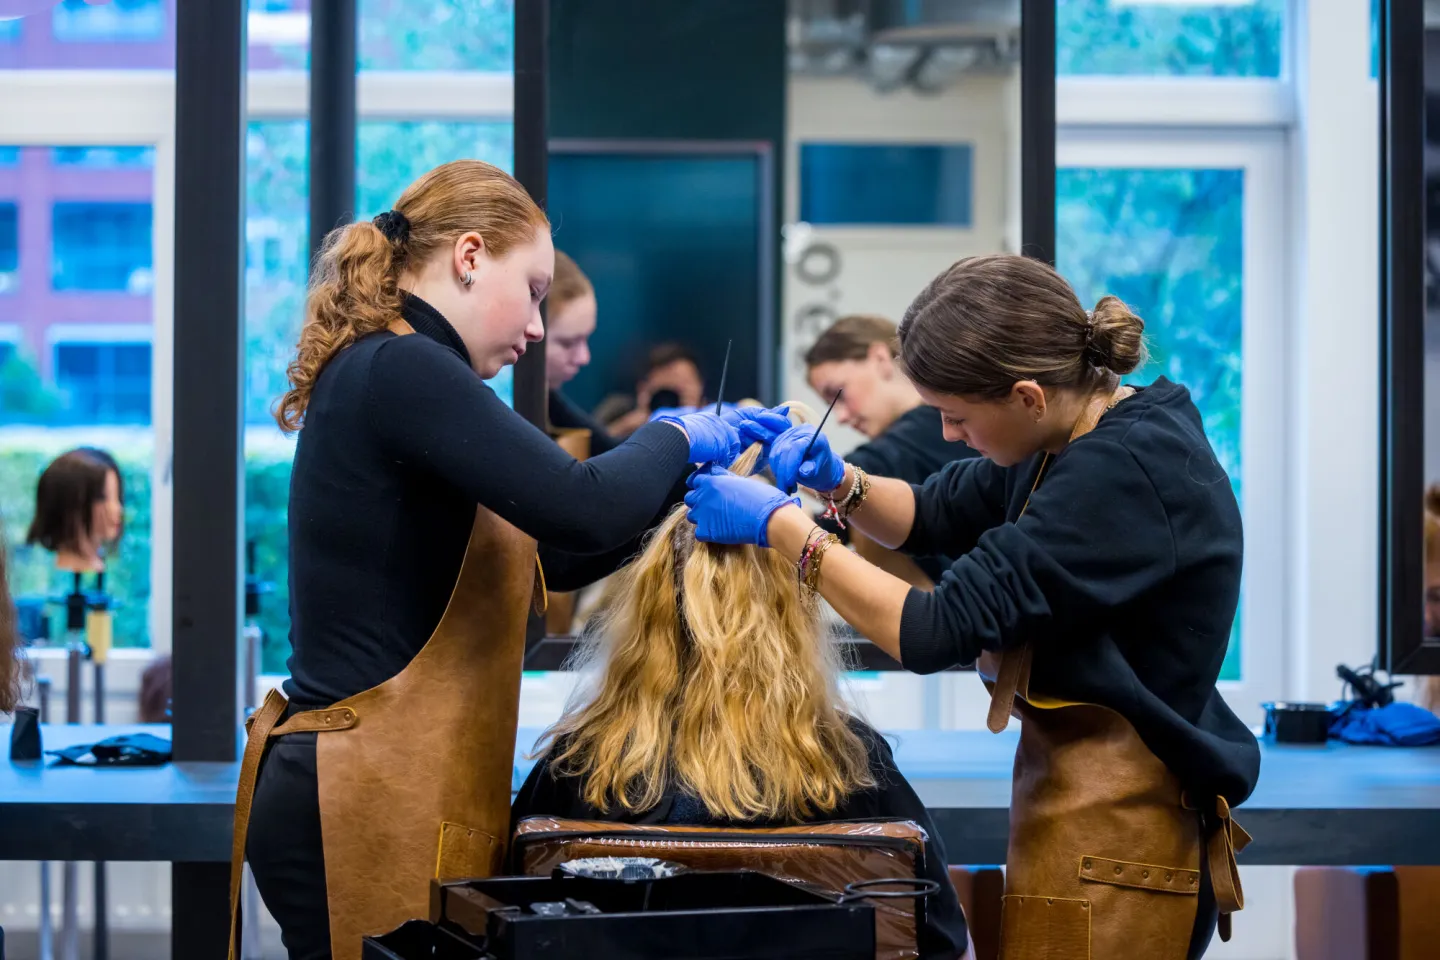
394	225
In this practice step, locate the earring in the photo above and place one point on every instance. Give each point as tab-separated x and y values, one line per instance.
467	278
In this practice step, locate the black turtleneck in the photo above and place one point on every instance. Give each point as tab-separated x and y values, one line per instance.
401	441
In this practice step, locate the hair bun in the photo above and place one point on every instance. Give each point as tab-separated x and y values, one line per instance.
1115	339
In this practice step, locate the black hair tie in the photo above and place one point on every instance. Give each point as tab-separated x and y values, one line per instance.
395	226
1093	353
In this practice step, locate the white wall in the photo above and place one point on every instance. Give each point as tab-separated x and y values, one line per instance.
882	269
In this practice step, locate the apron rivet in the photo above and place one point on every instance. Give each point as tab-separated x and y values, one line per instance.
1088	865
1050	902
1119	870
1169	877
1145	874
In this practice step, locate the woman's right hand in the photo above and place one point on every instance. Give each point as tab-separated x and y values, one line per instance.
712	439
820	469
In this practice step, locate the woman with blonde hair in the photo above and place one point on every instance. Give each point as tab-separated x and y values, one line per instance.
569	324
712	698
416	503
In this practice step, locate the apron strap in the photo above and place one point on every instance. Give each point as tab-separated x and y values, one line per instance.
1014	673
260	724
1227	838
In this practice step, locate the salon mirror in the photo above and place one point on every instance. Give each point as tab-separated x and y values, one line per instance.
753	170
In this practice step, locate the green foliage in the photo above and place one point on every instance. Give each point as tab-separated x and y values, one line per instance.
24	396
1169	243
1111	38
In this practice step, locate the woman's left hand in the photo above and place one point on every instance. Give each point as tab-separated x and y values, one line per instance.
726	508
712	439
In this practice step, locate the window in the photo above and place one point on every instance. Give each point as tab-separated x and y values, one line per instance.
102	246
9	247
390	155
75	355
875	183
394	35
1188	230
117	20
104	383
10	31
1223	38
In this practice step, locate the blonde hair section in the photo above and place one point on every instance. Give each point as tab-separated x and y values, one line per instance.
709	672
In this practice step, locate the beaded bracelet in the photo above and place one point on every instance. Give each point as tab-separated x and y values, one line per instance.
833	511
858	494
841	510
817	541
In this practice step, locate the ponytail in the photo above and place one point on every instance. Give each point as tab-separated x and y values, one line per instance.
355	287
353	292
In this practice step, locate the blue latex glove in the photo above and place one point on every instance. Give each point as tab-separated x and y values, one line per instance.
757	424
712	440
730	509
821	470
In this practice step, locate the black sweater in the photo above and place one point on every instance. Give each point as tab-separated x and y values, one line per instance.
910	449
1124	573
401	441
943	934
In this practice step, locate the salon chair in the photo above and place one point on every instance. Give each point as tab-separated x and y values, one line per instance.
824	856
1367	913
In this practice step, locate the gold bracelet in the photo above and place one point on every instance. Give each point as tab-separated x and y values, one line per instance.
812	579
815	547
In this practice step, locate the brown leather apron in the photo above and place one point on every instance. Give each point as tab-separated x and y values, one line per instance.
1104	852
415	774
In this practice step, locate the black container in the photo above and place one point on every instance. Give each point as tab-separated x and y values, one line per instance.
1297	722
739	915
25	735
419	939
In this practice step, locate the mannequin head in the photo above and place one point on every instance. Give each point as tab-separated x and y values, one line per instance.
1001	346
857	355
709	671
569	322
79	509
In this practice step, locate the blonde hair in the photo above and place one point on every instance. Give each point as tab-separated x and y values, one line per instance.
355	288
710	673
570	283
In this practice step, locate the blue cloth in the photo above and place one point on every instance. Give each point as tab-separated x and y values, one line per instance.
1395	725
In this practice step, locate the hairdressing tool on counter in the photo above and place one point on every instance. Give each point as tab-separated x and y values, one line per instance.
724	372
